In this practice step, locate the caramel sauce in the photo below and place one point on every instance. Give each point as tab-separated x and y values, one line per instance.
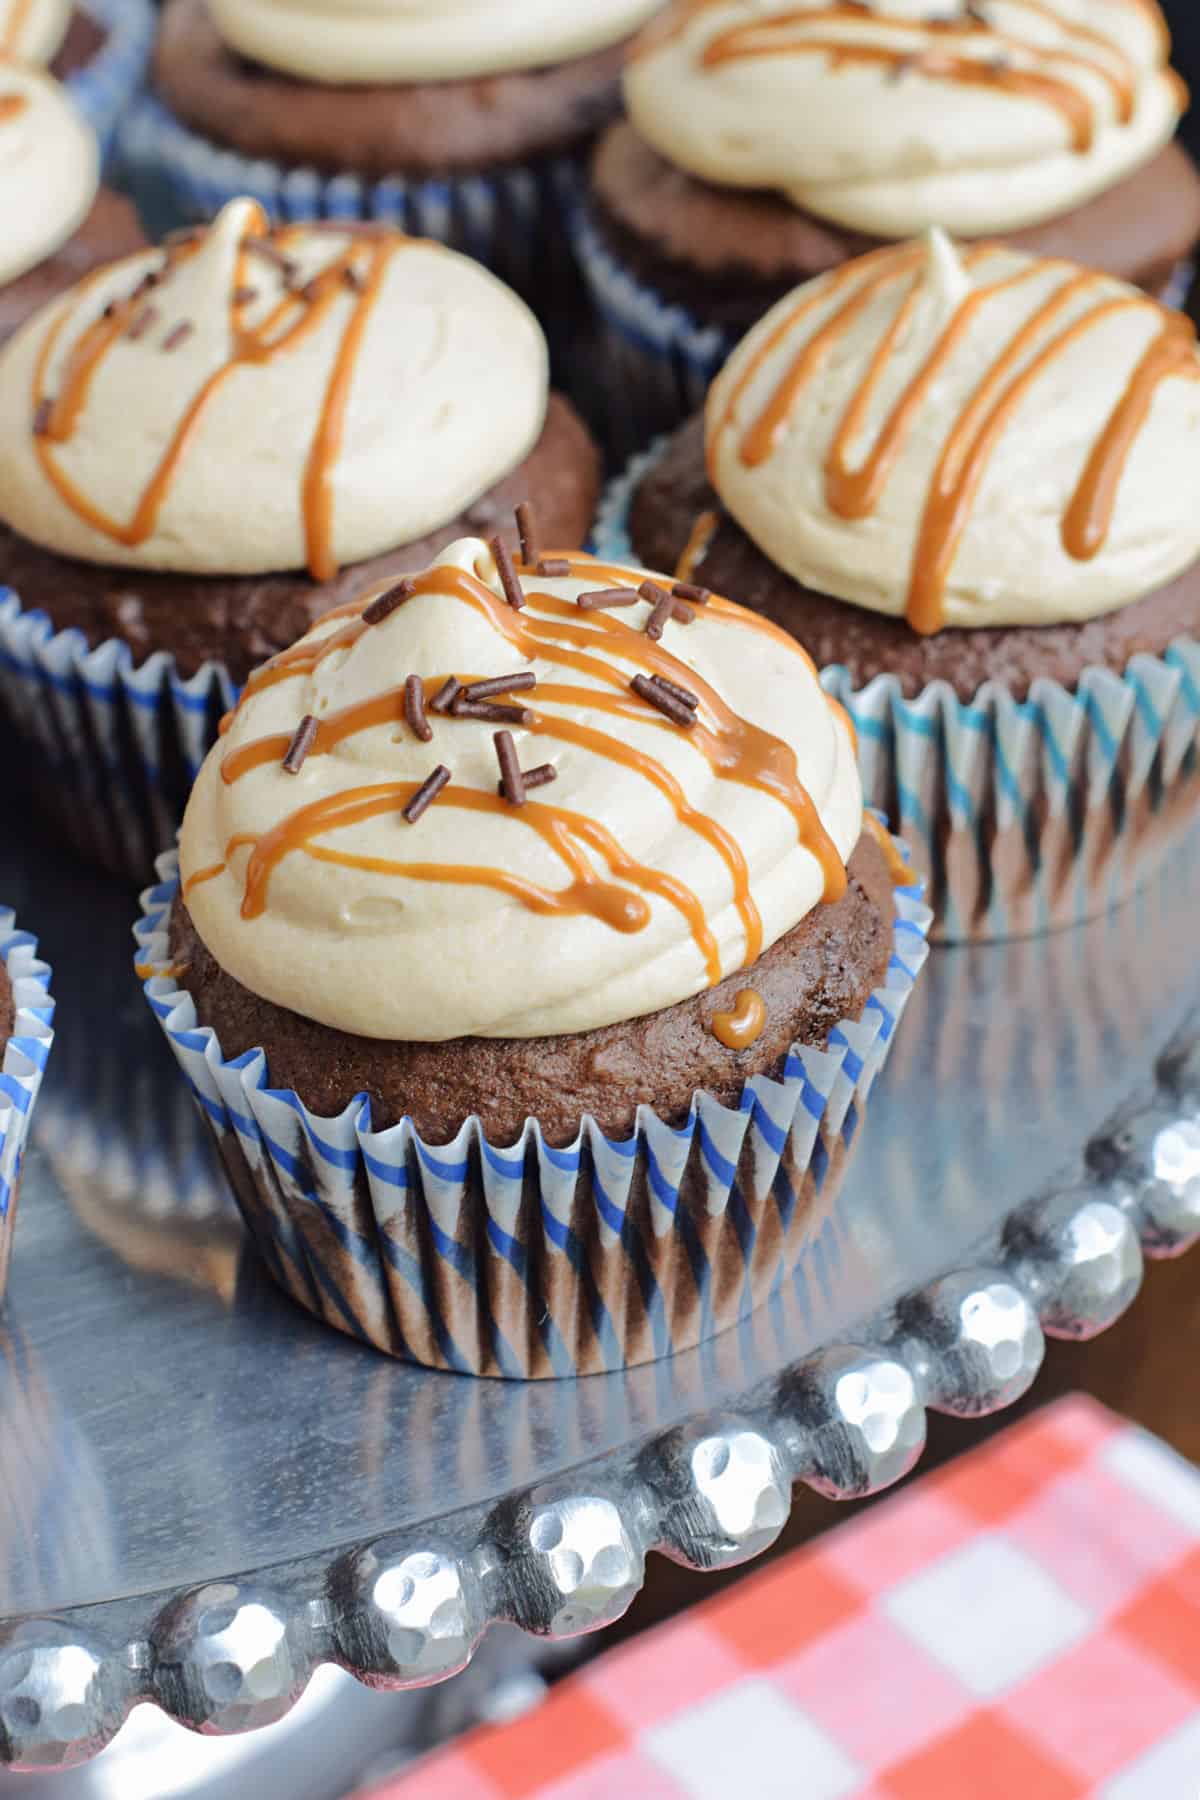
899	871
11	106
696	548
738	1029
201	875
855	493
734	748
769	36
20	11
294	317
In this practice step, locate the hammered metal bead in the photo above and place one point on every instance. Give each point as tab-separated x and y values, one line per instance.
858	1418
724	1494
1153	1165
59	1701
571	1565
1077	1256
975	1341
222	1659
404	1616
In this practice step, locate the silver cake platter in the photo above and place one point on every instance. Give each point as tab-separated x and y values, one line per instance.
205	1495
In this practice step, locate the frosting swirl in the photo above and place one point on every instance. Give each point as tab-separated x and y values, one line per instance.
661	857
990	117
370	41
33	30
979	439
247	400
49	169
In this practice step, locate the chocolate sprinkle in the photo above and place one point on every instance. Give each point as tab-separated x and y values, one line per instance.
600	599
141	325
688	590
446	695
501	684
384	605
426	794
508	575
490	710
242	296
553	565
527	531
512	782
685	695
178	334
534	778
662	607
42	417
301	744
414	708
263	247
352	279
660	696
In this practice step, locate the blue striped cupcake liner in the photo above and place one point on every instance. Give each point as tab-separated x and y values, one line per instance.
24	1063
511	217
117	744
531	1260
1022	815
105	87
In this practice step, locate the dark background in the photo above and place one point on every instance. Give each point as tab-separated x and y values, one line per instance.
1185	24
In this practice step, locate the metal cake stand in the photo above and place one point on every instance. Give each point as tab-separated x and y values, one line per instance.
204	1495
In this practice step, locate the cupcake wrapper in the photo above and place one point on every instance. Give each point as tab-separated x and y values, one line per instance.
1022	815
23	1065
531	1260
659	359
509	217
103	89
117	746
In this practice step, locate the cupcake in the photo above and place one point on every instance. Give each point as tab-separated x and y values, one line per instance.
56	222
208	445
100	50
963	480
26	1013
767	144
532	958
465	121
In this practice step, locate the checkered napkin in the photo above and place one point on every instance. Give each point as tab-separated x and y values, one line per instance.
1023	1625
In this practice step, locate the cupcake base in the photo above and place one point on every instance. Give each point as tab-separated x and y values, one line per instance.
528	1258
1040	775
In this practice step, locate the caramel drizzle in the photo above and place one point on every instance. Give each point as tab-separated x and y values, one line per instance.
734	748
294	317
966	455
18	14
769	37
11	107
738	1029
696	549
898	870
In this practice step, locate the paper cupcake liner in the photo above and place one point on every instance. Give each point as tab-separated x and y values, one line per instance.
511	217
105	86
117	745
1022	815
23	1066
659	359
531	1260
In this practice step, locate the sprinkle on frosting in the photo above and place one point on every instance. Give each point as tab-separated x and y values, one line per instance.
302	422
301	744
893	117
976	440
695	819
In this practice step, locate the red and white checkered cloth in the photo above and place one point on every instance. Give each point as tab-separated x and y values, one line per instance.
1022	1625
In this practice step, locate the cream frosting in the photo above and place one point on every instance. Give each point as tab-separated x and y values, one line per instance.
33	30
49	169
1006	390
392	956
312	396
986	118
409	40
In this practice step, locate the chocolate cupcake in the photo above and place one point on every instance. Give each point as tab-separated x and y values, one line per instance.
768	143
26	1015
211	444
963	480
548	899
56	222
465	122
99	50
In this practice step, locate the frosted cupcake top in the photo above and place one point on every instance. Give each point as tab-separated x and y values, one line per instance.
409	40
246	400
969	438
49	169
670	792
32	31
981	116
